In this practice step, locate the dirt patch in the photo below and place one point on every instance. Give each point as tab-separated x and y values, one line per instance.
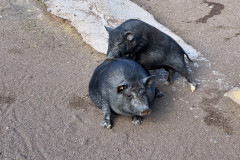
216	118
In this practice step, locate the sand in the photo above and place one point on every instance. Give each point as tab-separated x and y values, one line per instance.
45	68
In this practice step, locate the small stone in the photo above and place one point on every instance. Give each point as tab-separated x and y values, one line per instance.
195	65
211	6
174	88
234	94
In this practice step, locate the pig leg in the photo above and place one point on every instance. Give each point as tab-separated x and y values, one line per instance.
184	72
171	75
136	120
106	123
180	67
158	93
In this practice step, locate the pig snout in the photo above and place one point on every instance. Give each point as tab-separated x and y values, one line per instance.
113	54
110	56
145	111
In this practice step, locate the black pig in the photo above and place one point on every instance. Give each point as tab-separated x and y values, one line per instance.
124	87
148	46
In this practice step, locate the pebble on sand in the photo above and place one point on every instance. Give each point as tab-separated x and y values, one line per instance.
234	94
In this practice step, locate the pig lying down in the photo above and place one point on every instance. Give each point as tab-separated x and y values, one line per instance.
148	46
124	87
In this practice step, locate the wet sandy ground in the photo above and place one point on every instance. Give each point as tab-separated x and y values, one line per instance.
45	67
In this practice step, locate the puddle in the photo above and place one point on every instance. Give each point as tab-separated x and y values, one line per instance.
216	9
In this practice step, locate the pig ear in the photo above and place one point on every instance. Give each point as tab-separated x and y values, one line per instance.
148	81
129	35
108	29
121	88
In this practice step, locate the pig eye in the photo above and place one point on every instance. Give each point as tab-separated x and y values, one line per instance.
119	44
121	88
129	96
142	92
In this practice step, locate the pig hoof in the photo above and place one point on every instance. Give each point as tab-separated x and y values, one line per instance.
167	83
158	93
106	124
136	121
193	87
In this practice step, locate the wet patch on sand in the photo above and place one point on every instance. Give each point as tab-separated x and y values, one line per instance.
6	99
213	96
229	38
216	9
80	102
216	118
15	51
